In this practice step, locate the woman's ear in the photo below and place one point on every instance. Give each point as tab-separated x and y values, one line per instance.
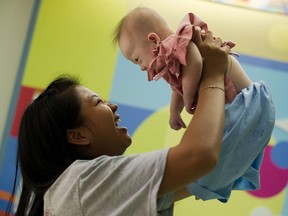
77	136
152	36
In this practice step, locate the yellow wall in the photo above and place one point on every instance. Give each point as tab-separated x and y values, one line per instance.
75	37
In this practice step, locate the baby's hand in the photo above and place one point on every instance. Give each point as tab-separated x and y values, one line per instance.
190	109
192	106
176	121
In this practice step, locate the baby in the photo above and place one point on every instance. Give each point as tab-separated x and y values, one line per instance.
145	39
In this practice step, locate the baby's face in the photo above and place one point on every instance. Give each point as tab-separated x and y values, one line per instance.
137	50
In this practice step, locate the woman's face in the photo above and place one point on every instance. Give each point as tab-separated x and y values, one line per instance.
100	124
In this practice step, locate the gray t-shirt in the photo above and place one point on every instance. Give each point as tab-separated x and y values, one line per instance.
110	186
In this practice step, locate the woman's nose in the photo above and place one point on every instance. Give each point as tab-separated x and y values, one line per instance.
114	107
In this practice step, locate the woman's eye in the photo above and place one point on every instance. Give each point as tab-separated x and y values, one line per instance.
99	101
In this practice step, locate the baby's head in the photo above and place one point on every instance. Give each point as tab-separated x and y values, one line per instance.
138	33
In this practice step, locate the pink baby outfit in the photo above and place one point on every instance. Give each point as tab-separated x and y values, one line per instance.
170	56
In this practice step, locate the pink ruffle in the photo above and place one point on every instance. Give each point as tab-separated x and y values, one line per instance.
170	54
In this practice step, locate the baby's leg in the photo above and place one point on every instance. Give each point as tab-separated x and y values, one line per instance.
237	74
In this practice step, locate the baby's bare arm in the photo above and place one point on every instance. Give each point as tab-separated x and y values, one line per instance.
177	104
237	74
176	108
191	75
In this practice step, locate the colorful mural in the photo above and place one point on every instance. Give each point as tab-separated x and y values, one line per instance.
75	37
275	6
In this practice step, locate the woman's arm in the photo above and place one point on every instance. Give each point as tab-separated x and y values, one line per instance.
198	151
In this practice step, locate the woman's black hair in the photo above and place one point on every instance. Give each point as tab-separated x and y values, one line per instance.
43	150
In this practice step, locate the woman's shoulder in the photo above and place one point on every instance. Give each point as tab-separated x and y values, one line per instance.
105	165
84	180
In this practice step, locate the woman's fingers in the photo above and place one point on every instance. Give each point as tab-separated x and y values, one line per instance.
226	48
209	36
197	36
218	41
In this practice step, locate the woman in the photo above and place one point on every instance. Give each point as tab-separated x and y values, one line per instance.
70	150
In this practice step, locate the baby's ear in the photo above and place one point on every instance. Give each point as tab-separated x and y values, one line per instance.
154	37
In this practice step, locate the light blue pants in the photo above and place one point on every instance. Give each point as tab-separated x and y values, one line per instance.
249	122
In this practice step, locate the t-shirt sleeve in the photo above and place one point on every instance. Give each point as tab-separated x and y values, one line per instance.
124	185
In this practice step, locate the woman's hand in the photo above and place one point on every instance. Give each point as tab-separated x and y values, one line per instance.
215	57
